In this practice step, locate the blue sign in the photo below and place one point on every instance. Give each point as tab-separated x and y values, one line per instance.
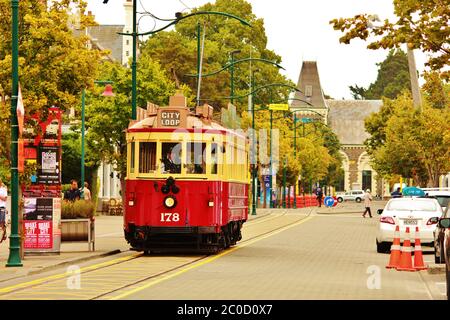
328	201
306	120
268	187
413	192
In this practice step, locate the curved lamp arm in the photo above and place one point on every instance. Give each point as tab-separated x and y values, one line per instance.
179	18
262	87
235	62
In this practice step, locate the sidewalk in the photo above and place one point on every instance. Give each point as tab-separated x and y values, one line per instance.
109	240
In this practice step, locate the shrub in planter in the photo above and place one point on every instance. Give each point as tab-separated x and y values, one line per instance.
80	209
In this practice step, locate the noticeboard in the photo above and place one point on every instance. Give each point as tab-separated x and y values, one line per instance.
48	159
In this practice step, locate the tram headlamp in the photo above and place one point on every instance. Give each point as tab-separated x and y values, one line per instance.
170	202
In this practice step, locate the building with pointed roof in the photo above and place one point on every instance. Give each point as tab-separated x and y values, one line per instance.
346	119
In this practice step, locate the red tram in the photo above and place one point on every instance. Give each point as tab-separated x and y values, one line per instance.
187	181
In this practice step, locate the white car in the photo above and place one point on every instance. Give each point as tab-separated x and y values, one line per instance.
354	195
409	212
441	194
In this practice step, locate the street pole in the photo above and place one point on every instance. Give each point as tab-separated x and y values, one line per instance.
83	97
14	244
134	66
413	78
284	183
271	172
253	148
295	158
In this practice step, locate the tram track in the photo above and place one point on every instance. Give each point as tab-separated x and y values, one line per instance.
115	269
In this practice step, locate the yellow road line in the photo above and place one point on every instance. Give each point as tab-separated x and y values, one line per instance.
211	259
62	275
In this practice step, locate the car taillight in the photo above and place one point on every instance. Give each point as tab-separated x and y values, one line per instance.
433	220
389	220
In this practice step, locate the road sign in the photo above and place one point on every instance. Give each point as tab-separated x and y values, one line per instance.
279	106
328	201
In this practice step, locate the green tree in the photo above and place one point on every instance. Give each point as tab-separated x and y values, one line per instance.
412	144
177	53
421	23
393	77
436	93
108	118
54	65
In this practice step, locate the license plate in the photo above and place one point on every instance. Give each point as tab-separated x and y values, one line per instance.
410	222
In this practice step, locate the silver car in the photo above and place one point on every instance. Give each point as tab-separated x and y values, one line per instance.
354	195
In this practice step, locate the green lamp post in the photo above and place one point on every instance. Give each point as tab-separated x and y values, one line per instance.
14	259
107	93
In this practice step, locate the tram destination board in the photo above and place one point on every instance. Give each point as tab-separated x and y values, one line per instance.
170	118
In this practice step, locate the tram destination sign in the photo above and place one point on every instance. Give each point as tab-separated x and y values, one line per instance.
170	118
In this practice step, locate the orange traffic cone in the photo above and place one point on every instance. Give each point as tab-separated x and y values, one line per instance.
395	250
418	257
405	257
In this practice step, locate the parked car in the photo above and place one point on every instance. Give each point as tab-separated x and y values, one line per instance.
439	234
441	194
444	223
354	195
409	212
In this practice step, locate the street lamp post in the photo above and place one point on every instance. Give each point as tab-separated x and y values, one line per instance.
106	93
14	244
232	53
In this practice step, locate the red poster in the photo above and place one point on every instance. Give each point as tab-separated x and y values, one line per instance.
38	234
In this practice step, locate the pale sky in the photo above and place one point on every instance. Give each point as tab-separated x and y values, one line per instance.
297	30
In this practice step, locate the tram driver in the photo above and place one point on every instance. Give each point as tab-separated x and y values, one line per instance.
168	165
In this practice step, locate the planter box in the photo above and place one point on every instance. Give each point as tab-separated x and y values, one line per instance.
78	230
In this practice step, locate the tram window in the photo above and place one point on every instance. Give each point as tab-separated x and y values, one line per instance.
214	157
195	159
133	146
171	157
147	157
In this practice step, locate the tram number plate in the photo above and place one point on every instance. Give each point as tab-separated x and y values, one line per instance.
410	222
170	217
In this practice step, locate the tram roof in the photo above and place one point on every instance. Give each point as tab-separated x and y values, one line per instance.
177	116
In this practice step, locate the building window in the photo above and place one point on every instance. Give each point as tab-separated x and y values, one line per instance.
308	91
127	53
128	42
367	180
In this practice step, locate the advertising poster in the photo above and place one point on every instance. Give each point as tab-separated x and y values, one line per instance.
41	224
49	173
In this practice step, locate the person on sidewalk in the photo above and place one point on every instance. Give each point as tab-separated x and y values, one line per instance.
319	195
73	193
367	202
3	198
86	192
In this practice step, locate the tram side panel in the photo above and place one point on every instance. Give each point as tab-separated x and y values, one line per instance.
197	204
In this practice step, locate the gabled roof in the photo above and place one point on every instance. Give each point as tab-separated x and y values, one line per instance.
346	119
106	37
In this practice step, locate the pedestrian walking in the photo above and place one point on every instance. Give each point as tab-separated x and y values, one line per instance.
3	198
319	195
367	202
86	192
73	193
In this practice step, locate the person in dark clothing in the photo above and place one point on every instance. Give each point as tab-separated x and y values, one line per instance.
319	195
73	193
396	193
